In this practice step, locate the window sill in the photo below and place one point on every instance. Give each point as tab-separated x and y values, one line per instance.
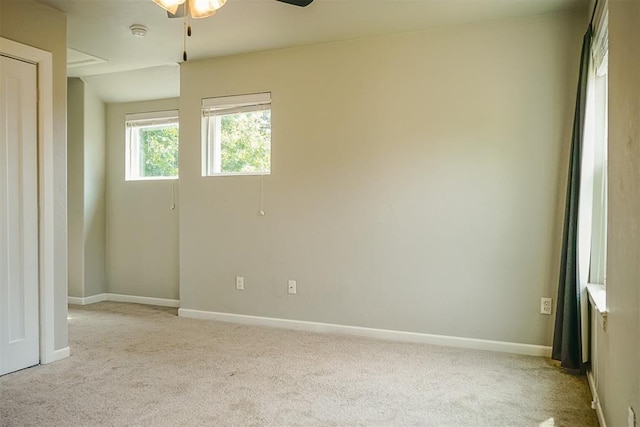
598	298
153	178
237	174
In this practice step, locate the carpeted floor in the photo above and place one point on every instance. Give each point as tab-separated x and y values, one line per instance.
140	365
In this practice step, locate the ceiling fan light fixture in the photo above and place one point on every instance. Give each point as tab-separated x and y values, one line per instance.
200	9
170	6
204	8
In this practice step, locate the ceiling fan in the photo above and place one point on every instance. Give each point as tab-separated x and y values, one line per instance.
202	9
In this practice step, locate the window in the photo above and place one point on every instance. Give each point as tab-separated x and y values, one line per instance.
151	145
597	267
236	135
593	197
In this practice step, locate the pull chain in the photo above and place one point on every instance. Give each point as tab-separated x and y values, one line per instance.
187	32
173	195
261	211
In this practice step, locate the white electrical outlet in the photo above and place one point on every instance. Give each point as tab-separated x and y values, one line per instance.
631	417
545	305
292	287
240	283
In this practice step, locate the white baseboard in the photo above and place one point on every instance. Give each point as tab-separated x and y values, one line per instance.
385	334
75	300
63	353
144	300
88	300
596	401
124	298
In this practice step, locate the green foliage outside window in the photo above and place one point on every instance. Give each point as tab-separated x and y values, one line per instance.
246	142
159	150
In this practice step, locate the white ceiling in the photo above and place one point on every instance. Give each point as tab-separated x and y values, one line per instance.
146	68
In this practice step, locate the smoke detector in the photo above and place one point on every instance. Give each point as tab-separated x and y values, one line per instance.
138	30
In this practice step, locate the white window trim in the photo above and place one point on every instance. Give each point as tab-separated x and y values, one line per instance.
600	41
224	102
132	145
211	138
599	90
592	212
152	116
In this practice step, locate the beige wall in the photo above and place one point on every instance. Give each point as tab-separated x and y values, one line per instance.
86	191
75	193
36	25
142	229
415	181
619	352
94	177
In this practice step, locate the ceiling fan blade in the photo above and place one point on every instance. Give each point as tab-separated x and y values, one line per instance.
301	3
179	13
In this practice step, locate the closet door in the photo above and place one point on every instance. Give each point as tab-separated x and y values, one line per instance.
19	330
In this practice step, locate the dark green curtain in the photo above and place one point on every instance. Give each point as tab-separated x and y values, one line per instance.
567	339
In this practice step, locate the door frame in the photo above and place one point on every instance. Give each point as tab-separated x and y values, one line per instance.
46	219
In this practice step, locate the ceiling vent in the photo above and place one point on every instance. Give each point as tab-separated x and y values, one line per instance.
75	58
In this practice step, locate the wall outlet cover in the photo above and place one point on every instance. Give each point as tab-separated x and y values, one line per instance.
240	283
545	305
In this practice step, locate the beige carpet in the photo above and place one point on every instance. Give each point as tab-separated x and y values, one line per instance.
141	365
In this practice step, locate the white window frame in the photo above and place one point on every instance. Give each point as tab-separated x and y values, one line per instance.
212	109
132	143
598	259
596	132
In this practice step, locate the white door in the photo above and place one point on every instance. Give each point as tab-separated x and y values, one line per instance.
19	334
